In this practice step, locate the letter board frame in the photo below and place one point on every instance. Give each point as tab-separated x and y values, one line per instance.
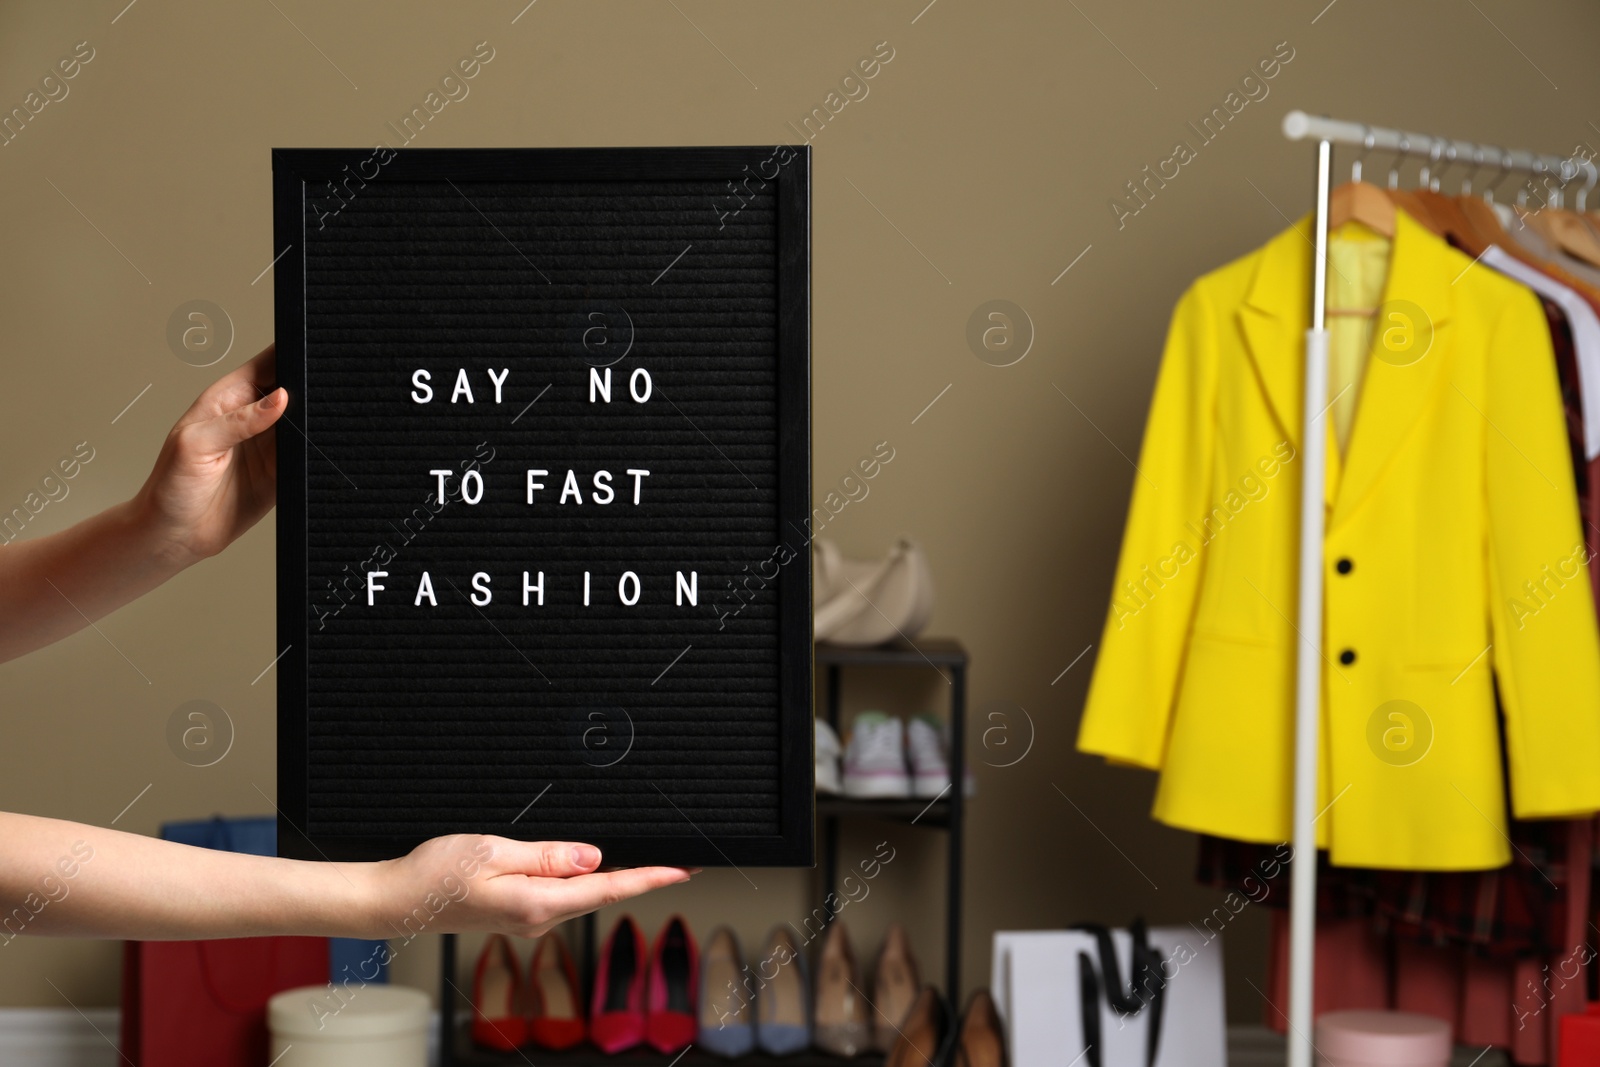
328	201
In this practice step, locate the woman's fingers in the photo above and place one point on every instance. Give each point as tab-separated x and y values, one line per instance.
544	859
243	385
217	435
585	893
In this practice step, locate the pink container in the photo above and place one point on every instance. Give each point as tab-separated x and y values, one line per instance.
1382	1039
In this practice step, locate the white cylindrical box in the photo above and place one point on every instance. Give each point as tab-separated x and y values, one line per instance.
349	1026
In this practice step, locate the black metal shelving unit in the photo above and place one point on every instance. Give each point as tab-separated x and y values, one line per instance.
945	812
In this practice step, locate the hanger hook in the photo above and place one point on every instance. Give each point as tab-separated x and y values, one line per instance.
1494	183
1594	176
1477	168
1394	168
1428	179
1522	190
1451	156
1567	173
1368	139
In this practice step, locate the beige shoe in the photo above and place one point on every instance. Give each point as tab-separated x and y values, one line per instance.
727	998
841	1008
894	987
782	1020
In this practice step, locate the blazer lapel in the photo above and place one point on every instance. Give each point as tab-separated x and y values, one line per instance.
1399	381
1273	319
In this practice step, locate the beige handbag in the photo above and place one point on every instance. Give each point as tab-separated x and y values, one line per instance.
860	603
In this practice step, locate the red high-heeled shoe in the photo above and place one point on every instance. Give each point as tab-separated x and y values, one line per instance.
497	991
616	1014
673	980
555	1011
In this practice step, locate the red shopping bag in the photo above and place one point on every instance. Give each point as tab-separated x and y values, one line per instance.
204	1003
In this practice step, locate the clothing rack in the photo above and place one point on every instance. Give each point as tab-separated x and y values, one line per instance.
1440	151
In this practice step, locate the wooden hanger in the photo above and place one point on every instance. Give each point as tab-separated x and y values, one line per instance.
1572	234
1414	203
1481	217
1361	202
1569	230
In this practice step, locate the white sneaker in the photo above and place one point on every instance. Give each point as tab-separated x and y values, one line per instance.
827	746
930	774
930	770
875	758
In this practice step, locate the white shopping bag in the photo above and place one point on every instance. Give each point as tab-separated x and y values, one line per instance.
1042	979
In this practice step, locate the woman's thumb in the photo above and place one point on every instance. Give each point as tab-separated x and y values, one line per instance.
242	423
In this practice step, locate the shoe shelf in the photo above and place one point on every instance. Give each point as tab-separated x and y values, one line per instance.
932	813
942	813
945	812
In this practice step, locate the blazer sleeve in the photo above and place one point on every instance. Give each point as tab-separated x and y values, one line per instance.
1146	634
1547	665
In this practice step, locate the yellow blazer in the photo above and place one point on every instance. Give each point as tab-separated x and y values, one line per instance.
1454	562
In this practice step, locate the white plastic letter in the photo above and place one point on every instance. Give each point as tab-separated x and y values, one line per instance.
505	372
441	475
570	486
421	391
598	385
638	480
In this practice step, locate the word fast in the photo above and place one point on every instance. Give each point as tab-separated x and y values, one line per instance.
602	493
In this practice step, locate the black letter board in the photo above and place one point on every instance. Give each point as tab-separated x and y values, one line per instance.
622	337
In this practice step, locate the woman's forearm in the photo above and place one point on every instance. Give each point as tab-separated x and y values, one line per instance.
54	586
68	879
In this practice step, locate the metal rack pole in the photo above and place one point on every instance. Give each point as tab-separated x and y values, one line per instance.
956	835
1308	670
1299	126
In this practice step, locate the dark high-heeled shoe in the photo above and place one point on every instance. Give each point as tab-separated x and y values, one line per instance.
980	1041
926	1034
555	1007
616	1014
669	996
497	1020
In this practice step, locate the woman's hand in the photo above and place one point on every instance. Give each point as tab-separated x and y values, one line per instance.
217	472
470	883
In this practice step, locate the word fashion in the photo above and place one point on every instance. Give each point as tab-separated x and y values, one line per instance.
630	588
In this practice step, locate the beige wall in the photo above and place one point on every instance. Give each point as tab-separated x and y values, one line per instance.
979	166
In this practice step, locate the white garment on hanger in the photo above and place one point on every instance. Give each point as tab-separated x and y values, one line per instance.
1585	336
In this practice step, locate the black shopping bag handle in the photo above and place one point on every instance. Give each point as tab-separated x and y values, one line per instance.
1147	987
